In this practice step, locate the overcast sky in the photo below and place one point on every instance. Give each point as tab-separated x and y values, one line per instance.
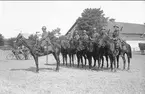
30	16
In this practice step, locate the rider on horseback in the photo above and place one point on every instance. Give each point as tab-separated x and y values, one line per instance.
85	38
45	38
76	36
95	35
118	40
115	34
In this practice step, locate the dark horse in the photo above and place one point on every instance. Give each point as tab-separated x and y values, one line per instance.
64	49
36	52
111	47
125	49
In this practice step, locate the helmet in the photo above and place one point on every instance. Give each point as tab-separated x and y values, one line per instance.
44	28
116	26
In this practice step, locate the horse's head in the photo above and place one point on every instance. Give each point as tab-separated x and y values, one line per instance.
19	39
101	40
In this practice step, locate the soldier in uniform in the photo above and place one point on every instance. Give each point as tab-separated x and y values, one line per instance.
115	34
85	38
45	38
117	38
76	36
95	35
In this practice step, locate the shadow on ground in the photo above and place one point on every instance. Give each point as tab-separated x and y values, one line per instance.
75	66
32	69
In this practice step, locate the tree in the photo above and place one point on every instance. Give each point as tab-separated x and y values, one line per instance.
54	33
33	37
11	42
1	40
92	19
112	20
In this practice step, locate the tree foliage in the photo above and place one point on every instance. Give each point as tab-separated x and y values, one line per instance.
54	33
1	40
33	37
11	42
112	19
92	18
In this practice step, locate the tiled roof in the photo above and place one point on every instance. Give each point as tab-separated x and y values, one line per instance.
128	28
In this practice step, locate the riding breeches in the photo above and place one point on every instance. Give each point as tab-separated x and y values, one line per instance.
44	42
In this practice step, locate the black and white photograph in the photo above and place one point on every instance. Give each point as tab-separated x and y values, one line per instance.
72	47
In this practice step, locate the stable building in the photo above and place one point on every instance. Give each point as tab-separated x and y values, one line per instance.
132	33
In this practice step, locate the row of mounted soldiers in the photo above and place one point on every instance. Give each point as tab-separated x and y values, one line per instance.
97	46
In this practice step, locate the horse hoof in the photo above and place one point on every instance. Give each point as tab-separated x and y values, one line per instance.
57	70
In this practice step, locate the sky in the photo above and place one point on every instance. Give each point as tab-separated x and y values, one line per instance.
29	16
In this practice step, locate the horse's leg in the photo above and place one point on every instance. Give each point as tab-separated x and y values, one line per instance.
78	59
36	62
56	56
111	61
128	62
70	59
124	61
102	62
85	60
99	60
66	59
107	61
94	61
90	62
114	61
63	57
82	60
117	61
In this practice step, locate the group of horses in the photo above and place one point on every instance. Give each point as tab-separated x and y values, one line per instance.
98	48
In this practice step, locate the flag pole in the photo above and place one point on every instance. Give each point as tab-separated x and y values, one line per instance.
47	53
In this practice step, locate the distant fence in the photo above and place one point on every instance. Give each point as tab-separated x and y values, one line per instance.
5	48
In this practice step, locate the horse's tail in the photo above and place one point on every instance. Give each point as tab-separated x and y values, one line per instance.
129	51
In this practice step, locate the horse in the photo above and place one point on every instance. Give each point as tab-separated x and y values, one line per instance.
111	47
80	51
93	52
64	46
125	49
36	51
72	50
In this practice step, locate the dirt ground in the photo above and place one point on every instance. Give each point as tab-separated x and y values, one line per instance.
19	77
